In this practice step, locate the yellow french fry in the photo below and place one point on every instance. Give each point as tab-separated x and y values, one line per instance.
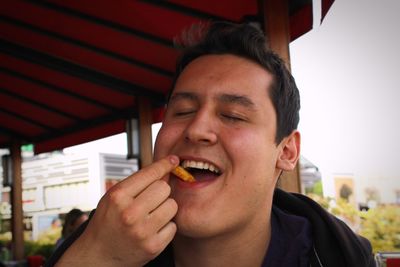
183	174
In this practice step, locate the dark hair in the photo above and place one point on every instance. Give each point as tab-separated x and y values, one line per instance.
248	41
70	220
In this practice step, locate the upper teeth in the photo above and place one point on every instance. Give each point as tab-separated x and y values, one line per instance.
199	165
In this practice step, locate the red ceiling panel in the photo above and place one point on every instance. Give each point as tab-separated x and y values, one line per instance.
87	32
226	9
75	85
301	21
47	96
4	139
85	57
325	6
86	135
138	15
9	124
71	71
34	112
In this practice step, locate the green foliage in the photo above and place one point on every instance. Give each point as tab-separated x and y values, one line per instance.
35	248
5	238
44	246
317	188
382	227
347	212
50	236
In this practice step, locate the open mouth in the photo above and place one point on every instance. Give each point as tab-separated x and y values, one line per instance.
201	170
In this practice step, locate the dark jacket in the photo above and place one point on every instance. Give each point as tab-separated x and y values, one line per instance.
334	243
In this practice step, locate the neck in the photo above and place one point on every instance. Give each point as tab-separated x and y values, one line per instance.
237	248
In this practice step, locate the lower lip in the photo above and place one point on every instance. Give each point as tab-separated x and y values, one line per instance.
196	184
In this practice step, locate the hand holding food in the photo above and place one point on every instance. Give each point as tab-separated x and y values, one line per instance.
132	223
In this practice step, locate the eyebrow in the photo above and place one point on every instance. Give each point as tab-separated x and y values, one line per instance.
183	95
236	99
223	98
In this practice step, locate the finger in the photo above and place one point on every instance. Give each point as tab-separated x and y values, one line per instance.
160	241
136	183
162	215
153	196
167	233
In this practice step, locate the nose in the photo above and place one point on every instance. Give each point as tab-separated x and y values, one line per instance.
201	129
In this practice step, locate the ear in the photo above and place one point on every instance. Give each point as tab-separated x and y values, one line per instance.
290	152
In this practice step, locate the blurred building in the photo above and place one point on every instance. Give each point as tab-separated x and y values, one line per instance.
55	183
310	177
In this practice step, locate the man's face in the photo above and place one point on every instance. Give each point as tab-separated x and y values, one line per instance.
221	121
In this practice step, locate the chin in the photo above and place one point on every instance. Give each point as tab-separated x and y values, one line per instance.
201	225
192	225
195	231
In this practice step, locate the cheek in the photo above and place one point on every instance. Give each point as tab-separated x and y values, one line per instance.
245	145
166	138
253	155
254	162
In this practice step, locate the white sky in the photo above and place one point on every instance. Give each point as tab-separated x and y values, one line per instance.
348	75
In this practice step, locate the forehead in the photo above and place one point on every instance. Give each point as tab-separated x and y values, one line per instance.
216	74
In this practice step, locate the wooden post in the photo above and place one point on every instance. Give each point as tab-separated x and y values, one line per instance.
276	25
17	213
145	121
290	181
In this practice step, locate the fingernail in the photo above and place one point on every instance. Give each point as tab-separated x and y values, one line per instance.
174	160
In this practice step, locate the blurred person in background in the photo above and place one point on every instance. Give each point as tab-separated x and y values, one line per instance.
73	220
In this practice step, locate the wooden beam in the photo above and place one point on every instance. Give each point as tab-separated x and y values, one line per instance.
145	138
17	213
276	26
290	181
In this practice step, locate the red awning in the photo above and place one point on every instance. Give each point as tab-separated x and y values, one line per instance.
71	71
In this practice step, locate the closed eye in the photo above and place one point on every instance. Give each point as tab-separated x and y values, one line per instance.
232	118
184	113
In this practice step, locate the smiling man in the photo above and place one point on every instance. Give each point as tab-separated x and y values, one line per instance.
231	122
